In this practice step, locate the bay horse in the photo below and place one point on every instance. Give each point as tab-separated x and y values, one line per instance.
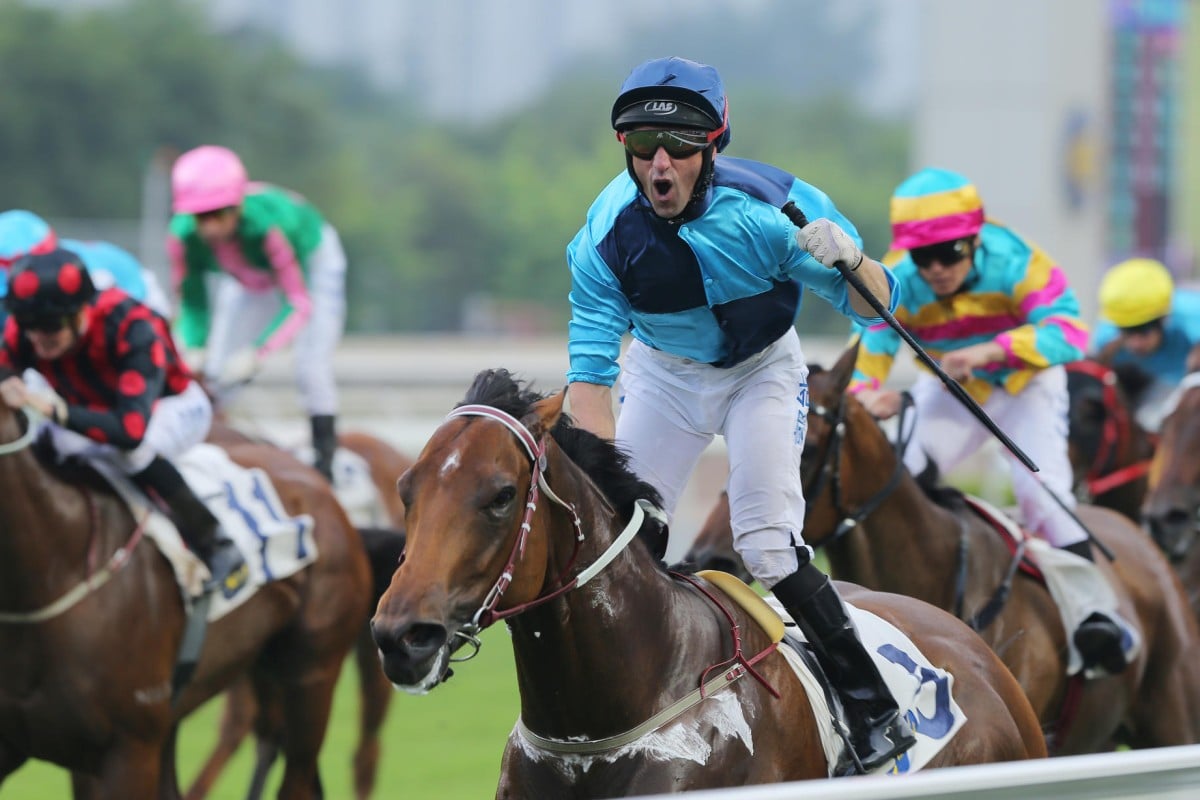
1171	509
513	513
91	620
242	709
1109	449
880	528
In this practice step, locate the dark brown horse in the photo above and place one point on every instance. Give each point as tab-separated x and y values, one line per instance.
1109	450
881	529
514	514
1172	506
242	710
87	684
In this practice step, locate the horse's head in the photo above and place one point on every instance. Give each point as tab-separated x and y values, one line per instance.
1171	509
484	545
1100	422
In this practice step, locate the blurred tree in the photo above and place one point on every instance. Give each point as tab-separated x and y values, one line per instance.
430	213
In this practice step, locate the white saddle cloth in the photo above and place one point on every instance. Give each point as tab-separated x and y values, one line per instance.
354	487
274	544
923	692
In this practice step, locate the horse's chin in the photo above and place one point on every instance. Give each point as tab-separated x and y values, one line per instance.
418	678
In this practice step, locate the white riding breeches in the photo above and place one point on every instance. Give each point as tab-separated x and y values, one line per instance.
672	407
1035	420
177	423
241	315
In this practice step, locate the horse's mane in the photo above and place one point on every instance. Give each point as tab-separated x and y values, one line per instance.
601	459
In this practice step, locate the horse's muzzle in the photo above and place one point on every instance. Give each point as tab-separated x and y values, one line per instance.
414	655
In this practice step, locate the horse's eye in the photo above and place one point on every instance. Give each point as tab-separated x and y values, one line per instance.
503	500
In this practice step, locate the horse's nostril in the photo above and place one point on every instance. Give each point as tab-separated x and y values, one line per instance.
424	636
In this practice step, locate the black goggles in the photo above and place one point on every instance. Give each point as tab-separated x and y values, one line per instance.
679	143
43	323
945	253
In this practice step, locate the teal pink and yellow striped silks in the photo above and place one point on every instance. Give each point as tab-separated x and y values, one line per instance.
1015	295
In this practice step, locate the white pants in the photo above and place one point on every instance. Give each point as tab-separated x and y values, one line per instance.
672	407
1035	420
177	423
240	317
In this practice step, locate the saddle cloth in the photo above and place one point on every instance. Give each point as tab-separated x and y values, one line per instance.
274	544
924	693
354	487
1077	585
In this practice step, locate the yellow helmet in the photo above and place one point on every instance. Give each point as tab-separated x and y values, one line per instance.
1135	292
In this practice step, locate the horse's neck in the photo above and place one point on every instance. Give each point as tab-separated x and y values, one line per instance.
39	526
905	539
603	652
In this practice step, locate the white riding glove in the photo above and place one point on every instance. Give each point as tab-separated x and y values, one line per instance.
194	358
241	368
828	243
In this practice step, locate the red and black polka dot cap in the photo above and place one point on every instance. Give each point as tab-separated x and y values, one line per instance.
48	284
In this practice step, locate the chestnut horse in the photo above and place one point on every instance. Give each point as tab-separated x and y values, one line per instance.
1109	450
242	709
93	619
604	638
1171	509
879	528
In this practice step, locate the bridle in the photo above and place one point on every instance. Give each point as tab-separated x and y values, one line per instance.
536	450
1116	434
830	470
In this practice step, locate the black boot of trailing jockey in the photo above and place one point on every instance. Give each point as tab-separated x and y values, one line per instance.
878	731
324	442
197	525
1098	638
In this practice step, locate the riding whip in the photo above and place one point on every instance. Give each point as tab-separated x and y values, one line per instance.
793	213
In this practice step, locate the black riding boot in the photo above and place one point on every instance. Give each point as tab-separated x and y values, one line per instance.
198	527
324	441
1098	638
878	732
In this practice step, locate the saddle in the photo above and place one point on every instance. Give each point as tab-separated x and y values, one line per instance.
923	692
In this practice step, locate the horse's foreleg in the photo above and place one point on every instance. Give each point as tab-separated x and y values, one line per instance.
375	694
241	708
10	761
131	769
306	706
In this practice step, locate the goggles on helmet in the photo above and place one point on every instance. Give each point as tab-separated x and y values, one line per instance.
679	143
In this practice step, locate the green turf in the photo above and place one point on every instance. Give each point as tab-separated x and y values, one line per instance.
446	744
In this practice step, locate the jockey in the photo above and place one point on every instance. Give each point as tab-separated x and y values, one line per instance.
23	232
689	250
1151	324
1002	319
118	390
284	280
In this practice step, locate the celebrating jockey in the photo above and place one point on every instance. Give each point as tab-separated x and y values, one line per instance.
1001	317
23	233
284	281
119	391
1149	323
689	250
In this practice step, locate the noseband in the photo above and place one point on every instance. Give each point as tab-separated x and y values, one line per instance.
536	450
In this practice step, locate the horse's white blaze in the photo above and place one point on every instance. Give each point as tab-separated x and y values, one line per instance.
680	740
452	462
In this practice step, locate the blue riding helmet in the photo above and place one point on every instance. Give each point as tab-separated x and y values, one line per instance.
674	91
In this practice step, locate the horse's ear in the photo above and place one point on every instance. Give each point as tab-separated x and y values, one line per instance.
544	415
843	370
